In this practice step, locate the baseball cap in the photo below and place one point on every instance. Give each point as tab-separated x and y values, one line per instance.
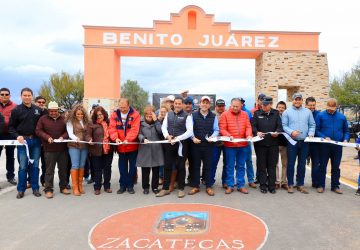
242	100
267	100
187	100
205	97
220	102
297	95
170	98
184	91
261	96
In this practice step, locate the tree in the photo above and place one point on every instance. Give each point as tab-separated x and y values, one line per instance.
346	89
136	95
64	88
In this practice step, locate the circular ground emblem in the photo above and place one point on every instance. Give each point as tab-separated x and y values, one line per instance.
179	226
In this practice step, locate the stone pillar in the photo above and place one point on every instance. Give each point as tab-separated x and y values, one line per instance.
304	72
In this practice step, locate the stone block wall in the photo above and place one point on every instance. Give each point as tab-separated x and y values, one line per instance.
304	72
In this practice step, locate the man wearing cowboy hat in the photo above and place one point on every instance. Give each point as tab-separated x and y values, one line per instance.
50	127
331	125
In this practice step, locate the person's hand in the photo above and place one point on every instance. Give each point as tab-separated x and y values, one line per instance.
328	138
125	141
77	139
260	134
146	141
91	142
61	138
118	141
275	134
345	141
20	139
154	116
209	139
173	141
196	140
295	134
169	138
50	140
249	137
231	138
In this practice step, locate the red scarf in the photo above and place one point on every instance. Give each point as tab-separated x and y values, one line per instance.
106	147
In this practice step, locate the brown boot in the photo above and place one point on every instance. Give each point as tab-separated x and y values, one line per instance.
81	178
75	181
173	180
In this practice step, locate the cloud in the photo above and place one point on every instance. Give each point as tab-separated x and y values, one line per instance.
30	68
67	47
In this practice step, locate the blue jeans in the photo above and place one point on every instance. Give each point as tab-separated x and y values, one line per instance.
161	172
34	146
235	159
127	169
300	151
249	165
214	162
334	153
78	157
315	162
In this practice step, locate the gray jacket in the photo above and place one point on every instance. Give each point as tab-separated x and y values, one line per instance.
150	155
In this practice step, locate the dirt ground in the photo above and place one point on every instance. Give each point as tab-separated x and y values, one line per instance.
349	166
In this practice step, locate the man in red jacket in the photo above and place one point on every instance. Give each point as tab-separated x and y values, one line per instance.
123	128
6	106
235	123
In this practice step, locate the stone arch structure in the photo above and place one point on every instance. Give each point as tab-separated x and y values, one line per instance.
284	60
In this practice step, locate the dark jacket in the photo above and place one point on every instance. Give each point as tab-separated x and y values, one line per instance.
176	123
334	126
79	132
2	123
23	120
266	122
203	126
96	133
55	128
150	155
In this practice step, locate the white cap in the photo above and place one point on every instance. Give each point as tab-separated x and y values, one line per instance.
53	105
184	91
170	98
205	97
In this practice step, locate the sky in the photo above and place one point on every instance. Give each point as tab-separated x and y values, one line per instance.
40	37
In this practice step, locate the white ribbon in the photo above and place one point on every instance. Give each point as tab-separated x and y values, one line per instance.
234	140
113	143
16	143
322	140
288	137
126	143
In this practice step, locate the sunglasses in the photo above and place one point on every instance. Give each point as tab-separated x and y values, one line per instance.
41	102
4	94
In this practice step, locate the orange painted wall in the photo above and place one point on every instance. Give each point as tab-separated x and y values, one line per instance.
182	36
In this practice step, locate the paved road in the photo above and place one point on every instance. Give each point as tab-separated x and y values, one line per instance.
298	221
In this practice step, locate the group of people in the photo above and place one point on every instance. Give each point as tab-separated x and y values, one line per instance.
161	142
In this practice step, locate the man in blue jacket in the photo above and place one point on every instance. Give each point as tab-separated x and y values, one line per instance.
310	103
331	125
298	122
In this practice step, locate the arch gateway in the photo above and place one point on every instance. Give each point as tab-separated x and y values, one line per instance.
284	60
